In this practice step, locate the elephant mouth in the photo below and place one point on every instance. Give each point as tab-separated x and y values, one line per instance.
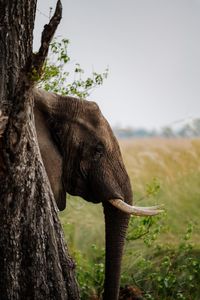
85	195
136	210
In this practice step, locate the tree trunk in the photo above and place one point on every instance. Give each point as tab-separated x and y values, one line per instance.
34	260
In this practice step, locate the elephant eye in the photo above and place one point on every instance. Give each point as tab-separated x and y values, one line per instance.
98	151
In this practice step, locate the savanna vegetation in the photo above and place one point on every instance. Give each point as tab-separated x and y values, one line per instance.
162	255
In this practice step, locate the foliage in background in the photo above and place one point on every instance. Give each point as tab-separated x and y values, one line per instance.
146	228
167	272
57	79
159	270
184	130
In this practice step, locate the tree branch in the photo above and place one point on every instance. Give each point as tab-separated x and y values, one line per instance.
47	35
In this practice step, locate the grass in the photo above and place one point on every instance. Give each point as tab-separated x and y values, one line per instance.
175	164
165	262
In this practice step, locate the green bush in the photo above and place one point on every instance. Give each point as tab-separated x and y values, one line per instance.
165	271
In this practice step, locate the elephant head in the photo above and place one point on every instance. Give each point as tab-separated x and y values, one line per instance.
82	157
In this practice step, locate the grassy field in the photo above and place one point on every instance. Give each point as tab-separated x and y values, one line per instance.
164	263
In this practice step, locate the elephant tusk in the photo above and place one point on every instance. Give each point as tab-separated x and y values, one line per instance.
136	210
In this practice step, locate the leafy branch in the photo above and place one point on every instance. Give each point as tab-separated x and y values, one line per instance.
56	78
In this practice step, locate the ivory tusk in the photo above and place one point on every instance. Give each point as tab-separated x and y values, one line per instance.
151	207
136	210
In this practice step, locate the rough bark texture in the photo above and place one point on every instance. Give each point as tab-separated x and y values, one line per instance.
34	261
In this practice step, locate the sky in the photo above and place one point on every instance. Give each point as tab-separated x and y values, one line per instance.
152	49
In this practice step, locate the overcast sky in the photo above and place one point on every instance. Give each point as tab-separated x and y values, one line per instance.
152	48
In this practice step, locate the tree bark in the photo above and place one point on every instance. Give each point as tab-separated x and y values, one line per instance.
34	260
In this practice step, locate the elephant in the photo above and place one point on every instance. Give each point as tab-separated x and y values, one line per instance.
82	157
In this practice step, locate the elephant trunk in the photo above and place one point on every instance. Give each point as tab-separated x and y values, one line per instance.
116	223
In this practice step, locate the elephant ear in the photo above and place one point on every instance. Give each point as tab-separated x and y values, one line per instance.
51	156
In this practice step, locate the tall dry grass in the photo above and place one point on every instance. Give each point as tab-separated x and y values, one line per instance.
176	164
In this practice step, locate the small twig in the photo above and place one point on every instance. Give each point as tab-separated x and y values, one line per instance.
47	35
50	12
139	236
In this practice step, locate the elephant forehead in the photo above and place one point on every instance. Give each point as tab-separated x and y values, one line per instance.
99	133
